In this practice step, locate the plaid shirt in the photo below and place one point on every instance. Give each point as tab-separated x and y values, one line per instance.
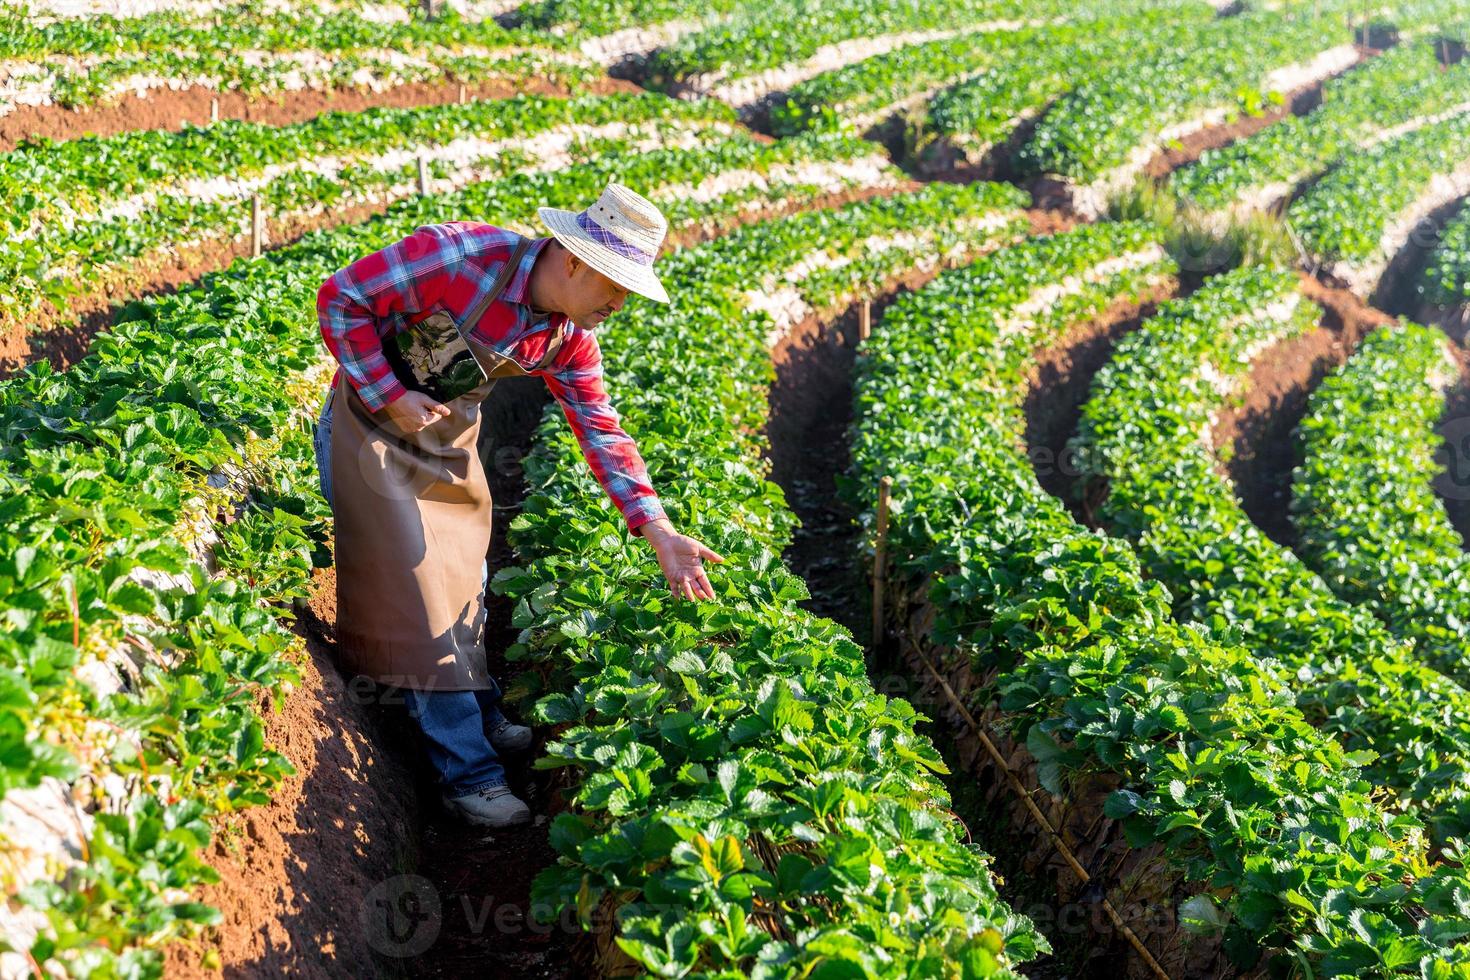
450	267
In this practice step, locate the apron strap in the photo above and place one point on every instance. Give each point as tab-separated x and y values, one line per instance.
517	252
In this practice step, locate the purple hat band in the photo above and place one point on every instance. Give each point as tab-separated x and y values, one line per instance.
603	237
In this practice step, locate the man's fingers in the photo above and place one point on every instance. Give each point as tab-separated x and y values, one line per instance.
702	580
705	552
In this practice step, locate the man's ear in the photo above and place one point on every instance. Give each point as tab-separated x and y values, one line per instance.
573	262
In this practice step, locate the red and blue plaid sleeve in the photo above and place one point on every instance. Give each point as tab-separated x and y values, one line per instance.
408	276
575	379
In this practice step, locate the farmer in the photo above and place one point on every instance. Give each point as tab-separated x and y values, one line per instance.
422	330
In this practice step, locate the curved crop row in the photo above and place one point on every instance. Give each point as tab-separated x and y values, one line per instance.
860	94
984	111
1144	441
1289	850
1360	214
1363	500
159	191
26	32
745	800
334	162
255	52
1399	88
131	672
784	32
1107	127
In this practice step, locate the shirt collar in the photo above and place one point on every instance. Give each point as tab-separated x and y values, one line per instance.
520	281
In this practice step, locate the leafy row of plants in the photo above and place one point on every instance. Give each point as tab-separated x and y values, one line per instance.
1296	858
1363	499
27	33
1344	217
865	89
116	473
590	18
263	52
1108	116
981	112
73	235
784	32
1143	442
745	801
47	180
1405	83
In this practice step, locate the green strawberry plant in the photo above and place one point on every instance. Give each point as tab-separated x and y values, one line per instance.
1394	88
1307	868
744	801
1142	441
1363	500
110	472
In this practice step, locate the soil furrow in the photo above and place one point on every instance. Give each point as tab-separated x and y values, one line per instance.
172	110
1254	437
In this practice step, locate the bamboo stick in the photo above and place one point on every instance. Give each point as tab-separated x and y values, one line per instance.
880	561
865	321
257	227
423	175
1020	790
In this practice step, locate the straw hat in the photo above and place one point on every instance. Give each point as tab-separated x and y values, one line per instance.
619	236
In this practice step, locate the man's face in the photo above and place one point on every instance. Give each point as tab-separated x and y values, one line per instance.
594	297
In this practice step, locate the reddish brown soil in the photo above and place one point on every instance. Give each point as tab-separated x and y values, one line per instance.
810	410
1057	388
1255	437
299	876
176	109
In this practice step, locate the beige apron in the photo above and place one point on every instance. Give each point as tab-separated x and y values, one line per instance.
413	518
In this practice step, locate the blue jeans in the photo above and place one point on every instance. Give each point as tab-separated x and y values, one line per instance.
454	725
321	441
453	722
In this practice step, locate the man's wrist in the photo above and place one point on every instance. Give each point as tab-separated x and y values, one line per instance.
659	527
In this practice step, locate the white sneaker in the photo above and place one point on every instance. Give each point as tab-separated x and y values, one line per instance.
509	737
493	806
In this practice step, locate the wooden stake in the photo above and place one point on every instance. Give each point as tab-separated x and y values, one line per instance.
423	175
257	226
880	561
865	321
214	110
461	93
1019	789
428	9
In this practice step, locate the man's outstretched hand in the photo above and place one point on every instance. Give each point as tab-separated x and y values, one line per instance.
682	559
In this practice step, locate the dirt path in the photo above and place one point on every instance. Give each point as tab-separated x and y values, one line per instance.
1255	436
302	879
1058	386
483	878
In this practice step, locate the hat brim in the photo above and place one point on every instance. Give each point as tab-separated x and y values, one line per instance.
625	272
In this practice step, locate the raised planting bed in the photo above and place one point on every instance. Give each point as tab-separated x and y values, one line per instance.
1232	834
163	514
1150	476
1364	500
